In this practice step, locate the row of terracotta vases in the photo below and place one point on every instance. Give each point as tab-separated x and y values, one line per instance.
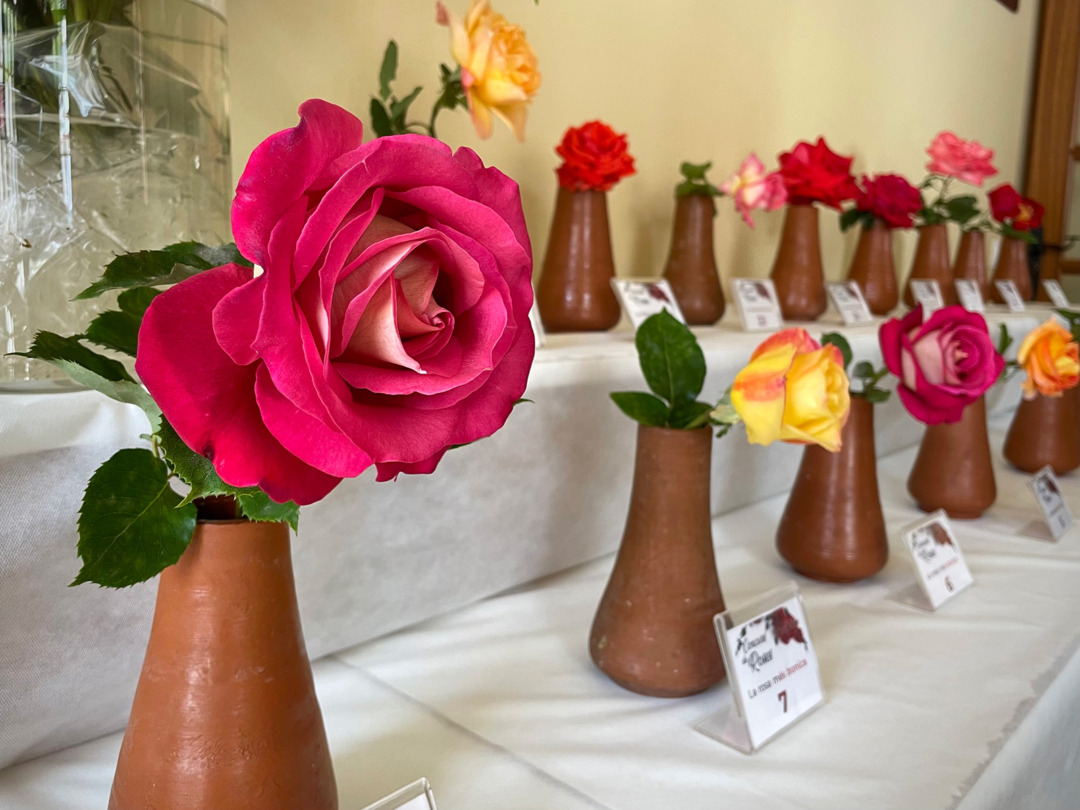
574	292
653	632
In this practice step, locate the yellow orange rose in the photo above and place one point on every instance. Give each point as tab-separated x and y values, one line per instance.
498	66
794	390
1049	355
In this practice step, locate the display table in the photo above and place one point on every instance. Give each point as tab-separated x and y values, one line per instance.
977	706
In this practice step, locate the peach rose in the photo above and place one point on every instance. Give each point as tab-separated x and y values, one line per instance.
795	390
498	66
1049	356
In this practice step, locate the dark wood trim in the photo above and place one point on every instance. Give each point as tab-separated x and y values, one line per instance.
1069	267
1050	132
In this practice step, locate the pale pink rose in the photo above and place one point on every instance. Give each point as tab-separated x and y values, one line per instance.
968	161
752	188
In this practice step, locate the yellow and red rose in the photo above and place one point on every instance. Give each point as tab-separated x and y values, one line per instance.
1049	356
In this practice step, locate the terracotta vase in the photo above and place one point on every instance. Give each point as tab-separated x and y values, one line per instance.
574	293
797	271
953	470
1012	266
932	262
1046	430
225	714
691	265
874	269
832	528
653	631
971	261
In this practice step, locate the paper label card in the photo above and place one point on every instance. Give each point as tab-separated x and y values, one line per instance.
1056	294
417	796
927	292
1056	513
967	290
940	565
641	298
848	299
757	304
1008	291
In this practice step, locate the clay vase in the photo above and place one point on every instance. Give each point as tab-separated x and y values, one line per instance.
797	271
971	261
653	631
574	293
873	268
932	262
225	714
1046	430
1012	266
691	266
832	528
953	470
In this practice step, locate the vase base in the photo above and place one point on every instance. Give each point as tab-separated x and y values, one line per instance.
954	514
835	580
649	691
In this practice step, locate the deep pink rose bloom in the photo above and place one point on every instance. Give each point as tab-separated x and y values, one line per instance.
890	198
968	161
391	320
944	364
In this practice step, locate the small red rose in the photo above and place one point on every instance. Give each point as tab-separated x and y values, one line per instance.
785	627
814	173
1010	207
595	158
889	198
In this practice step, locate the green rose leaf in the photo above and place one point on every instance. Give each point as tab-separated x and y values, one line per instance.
131	525
876	395
157	268
119	330
642	407
399	109
851	217
388	69
671	360
694	171
198	471
380	119
840	342
692	415
863	370
962	209
94	371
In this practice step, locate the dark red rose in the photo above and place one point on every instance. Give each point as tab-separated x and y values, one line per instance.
890	198
1010	207
814	173
595	158
785	627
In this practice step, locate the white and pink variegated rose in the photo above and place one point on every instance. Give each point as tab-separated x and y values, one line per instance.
751	187
390	322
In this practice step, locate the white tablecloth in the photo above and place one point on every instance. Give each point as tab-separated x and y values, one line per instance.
976	707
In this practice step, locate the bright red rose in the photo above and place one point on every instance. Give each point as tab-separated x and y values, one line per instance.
890	198
814	173
595	158
1012	208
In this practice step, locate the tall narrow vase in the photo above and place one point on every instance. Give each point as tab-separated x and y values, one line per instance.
1012	266
797	271
971	261
653	631
932	263
833	528
953	470
225	714
1046	430
873	268
574	293
691	266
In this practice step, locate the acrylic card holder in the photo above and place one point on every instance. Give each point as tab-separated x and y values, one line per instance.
757	304
939	564
772	670
967	290
641	298
927	292
848	299
1011	295
1055	511
417	796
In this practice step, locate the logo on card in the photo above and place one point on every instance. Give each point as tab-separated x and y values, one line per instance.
785	629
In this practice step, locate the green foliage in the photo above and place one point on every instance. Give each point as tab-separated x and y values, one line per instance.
390	114
854	216
157	268
93	370
840	342
674	369
962	209
119	329
868	378
695	182
1009	232
199	473
132	524
1005	340
388	69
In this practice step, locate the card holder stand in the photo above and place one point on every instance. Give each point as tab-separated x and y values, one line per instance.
417	796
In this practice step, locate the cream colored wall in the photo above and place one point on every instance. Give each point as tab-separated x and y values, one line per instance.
686	79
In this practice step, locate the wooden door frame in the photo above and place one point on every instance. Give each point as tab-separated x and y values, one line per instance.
1051	139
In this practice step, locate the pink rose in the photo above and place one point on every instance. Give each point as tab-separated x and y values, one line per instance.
944	364
751	188
968	161
391	320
